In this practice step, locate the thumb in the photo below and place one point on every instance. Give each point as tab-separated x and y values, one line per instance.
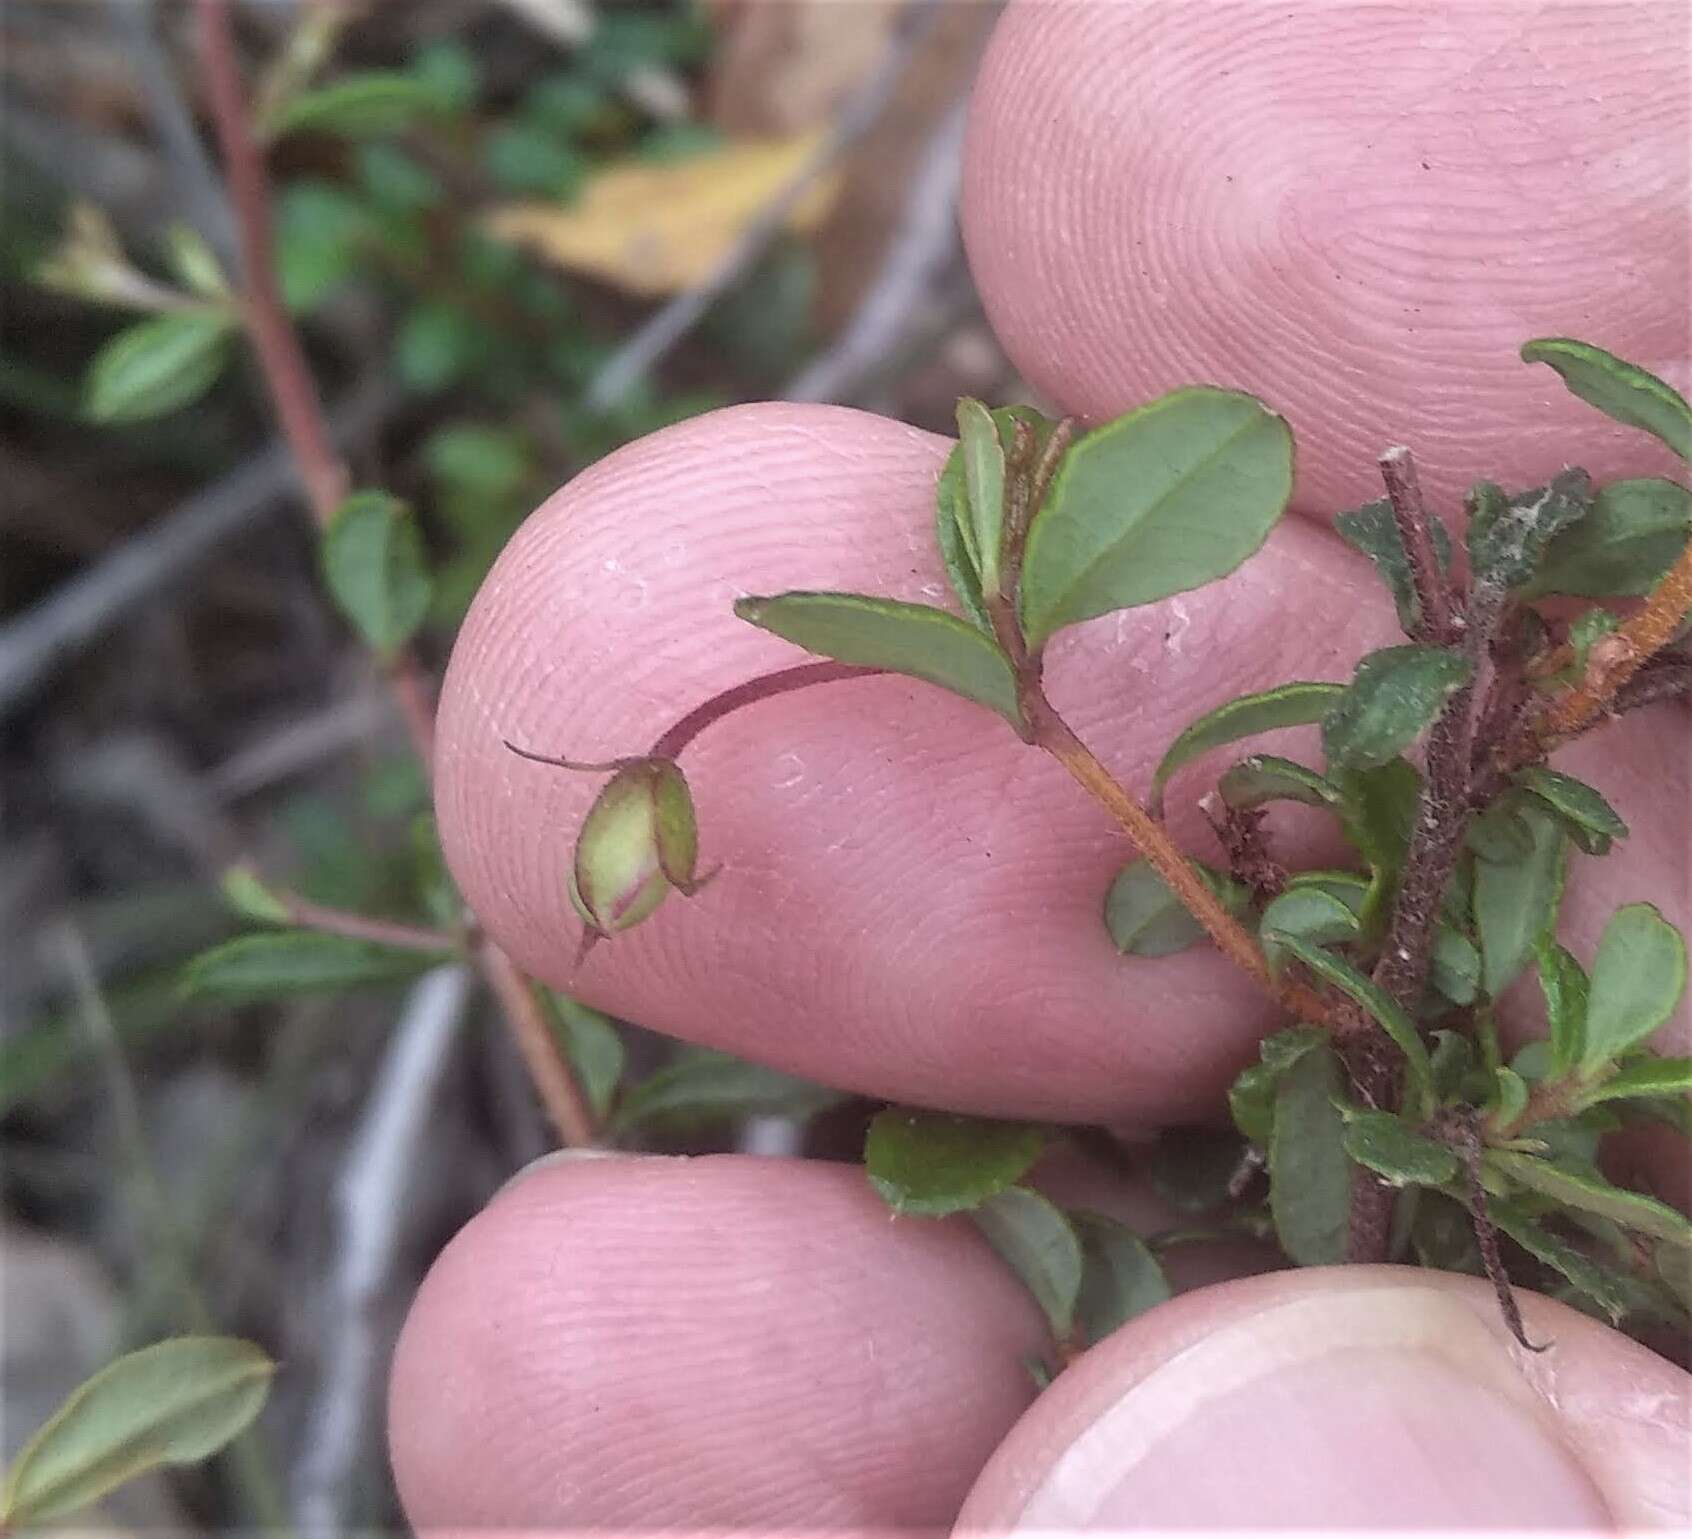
1356	1397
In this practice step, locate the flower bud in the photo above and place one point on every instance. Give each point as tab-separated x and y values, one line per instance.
638	841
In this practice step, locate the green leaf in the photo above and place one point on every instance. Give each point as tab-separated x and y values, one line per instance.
1146	919
1378	809
1562	981
1397	1153
1166	499
1377	1002
1394	697
1311	914
1373	530
913	639
1631	537
1516	903
1343	886
1589	1191
1500	834
251	899
1644	1076
285	962
158	366
1509	1095
1121	1278
373	564
954	554
1290	705
1265	778
984	485
1443	1236
703	1087
1251	1102
1620	390
1036	1241
1508	537
952	510
1309	1171
933	1163
320	228
358	106
1638	977
1452	1058
592	1043
433	347
177	1402
1191	1167
1590	820
1454	965
1586	1275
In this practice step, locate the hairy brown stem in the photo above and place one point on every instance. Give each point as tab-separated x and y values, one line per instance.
1614	659
299	411
1438	620
1462	1131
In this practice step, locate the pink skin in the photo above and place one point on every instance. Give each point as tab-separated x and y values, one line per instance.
910	897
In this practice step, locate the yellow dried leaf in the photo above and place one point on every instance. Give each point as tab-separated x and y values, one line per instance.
659	229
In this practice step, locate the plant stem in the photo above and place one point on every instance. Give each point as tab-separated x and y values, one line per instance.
1053	734
673	740
383	932
1438	620
299	410
1614	659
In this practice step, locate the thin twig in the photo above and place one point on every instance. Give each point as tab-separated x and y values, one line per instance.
381	932
923	249
371	1201
1438	621
294	394
642	352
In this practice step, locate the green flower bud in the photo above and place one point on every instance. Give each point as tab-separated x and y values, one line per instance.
638	841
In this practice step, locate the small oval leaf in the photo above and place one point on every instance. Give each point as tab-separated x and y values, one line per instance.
1146	919
702	1087
1393	699
913	639
1587	1190
1630	537
1397	1153
1265	778
1516	902
1563	982
374	566
359	106
1379	1004
1310	913
286	962
1120	1278
934	1163
1619	389
157	366
1310	1173
1290	705
1165	499
1638	976
1647	1076
174	1403
1036	1241
1590	820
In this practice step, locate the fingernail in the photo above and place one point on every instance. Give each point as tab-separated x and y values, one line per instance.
557	1157
1383	1407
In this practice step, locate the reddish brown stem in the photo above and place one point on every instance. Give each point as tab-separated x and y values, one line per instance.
300	413
384	932
673	740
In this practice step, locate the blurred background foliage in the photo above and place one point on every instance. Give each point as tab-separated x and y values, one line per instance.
480	206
